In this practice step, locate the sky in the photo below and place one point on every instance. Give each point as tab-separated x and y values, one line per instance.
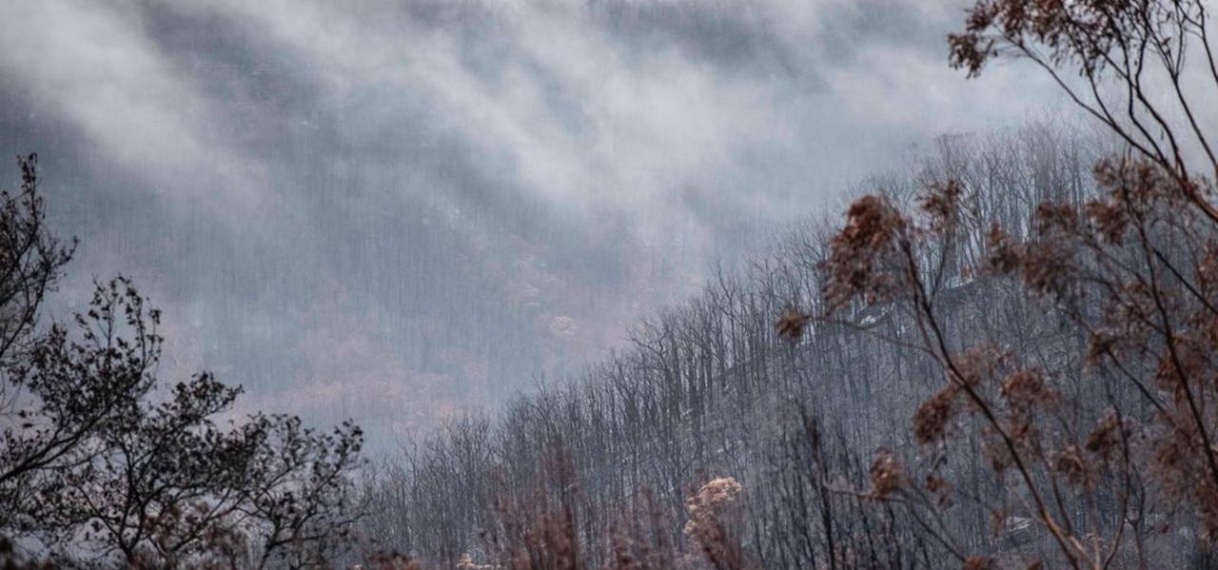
397	210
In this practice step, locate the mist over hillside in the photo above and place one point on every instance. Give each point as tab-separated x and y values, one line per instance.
397	210
609	284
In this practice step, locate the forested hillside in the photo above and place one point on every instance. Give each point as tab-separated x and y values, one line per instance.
1004	358
710	390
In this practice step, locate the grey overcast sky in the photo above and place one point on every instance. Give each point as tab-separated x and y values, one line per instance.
395	209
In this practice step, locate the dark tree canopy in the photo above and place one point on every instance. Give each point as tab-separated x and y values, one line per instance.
98	466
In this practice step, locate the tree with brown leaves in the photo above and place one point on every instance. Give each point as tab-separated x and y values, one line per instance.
1095	445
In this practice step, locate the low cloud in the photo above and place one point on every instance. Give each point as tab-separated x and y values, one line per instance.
497	189
93	66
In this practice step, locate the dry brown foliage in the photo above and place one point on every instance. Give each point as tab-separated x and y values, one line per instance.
1134	268
887	475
